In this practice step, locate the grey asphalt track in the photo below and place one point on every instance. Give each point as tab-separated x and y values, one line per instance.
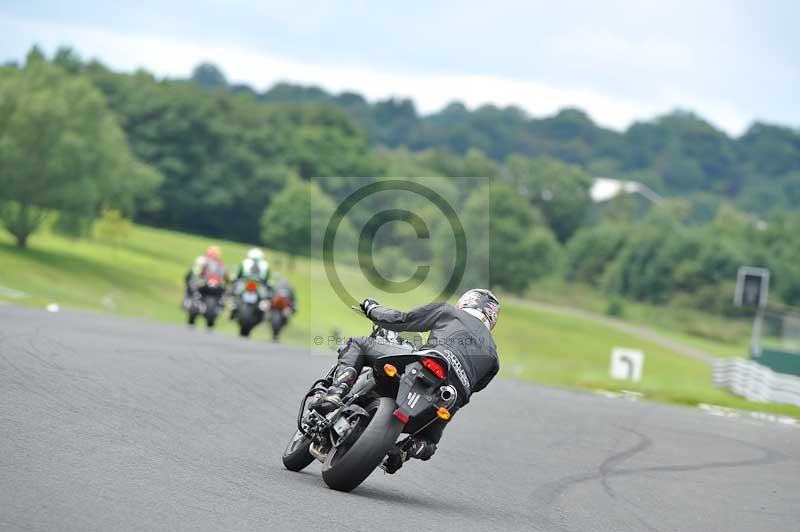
115	424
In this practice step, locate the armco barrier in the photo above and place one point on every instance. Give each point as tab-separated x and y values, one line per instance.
756	382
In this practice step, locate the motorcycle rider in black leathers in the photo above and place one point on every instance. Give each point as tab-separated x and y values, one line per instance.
461	333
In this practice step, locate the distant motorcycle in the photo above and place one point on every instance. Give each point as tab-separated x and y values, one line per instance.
206	300
401	393
280	309
252	301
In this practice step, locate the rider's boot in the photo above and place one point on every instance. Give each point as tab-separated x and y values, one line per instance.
414	447
343	379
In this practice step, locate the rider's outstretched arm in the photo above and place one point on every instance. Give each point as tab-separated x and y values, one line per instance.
420	319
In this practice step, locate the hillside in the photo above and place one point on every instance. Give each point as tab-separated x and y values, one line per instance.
677	154
142	276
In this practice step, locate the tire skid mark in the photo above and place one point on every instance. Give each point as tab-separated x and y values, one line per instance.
606	468
550	492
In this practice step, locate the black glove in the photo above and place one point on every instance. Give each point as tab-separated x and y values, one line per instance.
421	449
394	460
367	305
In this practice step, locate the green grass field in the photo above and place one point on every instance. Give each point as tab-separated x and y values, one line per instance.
723	337
143	277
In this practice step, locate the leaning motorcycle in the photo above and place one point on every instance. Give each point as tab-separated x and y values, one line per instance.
401	393
252	301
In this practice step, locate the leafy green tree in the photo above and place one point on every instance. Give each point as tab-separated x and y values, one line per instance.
687	152
283	92
223	157
112	227
770	150
72	225
321	141
209	76
782	254
68	59
591	250
296	219
662	258
60	149
401	162
286	223
398	119
560	191
521	247
763	196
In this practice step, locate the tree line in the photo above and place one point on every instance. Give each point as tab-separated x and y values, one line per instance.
677	154
207	157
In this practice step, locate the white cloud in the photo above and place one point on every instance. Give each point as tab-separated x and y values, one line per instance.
166	56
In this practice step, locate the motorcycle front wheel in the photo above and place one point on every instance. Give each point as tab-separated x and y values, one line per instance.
347	467
296	456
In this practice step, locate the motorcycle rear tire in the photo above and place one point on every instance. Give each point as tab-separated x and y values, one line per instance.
211	311
276	321
346	472
247	317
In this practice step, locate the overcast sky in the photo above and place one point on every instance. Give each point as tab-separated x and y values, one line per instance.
731	61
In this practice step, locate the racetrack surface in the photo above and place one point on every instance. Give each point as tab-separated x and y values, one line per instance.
116	424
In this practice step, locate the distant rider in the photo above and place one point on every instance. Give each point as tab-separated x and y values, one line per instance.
461	333
282	287
204	267
253	267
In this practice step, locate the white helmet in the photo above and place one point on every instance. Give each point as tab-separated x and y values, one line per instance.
255	254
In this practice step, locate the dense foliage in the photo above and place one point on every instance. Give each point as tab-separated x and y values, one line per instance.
61	149
225	156
675	154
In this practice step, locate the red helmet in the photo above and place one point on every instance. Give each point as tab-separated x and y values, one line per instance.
213	252
482	304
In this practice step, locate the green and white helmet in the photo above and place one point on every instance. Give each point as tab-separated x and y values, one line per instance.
255	254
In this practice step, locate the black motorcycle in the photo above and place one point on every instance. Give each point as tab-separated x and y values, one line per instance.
206	300
401	393
252	301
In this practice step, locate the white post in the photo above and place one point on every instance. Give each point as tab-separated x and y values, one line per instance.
755	341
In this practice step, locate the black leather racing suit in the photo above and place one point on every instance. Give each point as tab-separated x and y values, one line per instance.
459	336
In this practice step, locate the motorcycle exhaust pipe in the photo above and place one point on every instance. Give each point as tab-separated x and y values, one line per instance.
316	453
448	394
